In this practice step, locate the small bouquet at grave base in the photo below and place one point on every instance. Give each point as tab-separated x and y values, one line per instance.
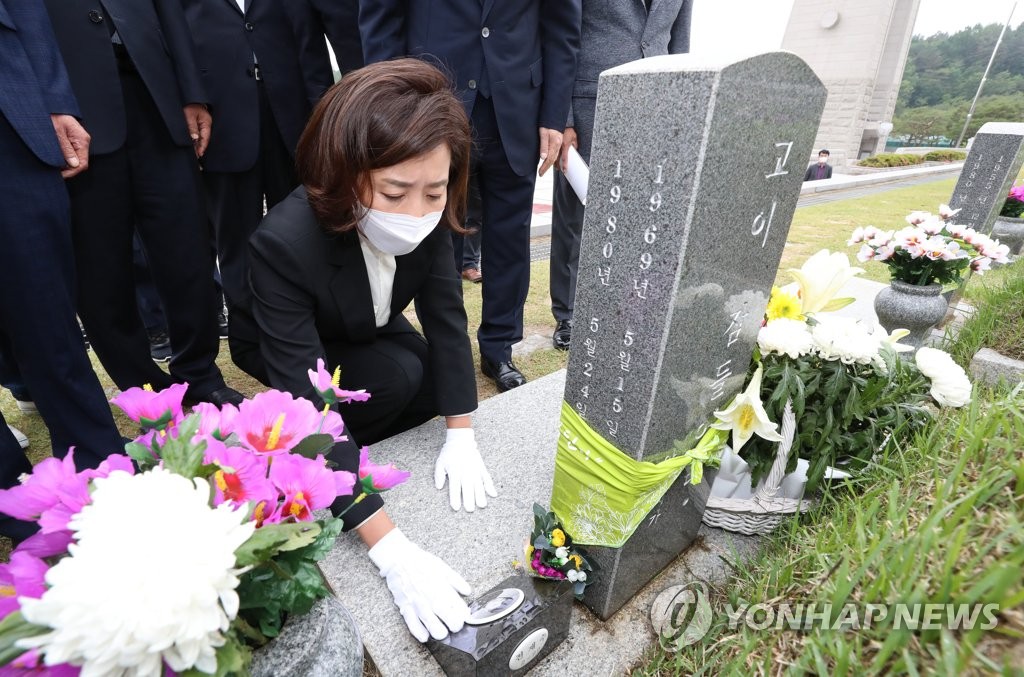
850	391
185	554
931	249
551	554
1014	206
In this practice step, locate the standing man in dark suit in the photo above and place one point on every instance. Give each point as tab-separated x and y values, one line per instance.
40	141
512	63
249	58
338	20
821	170
131	66
613	33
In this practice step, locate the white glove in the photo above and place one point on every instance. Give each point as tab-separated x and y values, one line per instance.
426	590
469	483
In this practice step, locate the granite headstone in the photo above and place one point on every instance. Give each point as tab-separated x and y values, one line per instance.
322	643
992	165
695	173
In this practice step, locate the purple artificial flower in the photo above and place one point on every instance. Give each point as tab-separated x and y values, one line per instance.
153	409
214	422
326	386
23	576
274	422
307	485
377	478
241	478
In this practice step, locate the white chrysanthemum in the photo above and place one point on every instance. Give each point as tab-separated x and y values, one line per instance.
785	337
845	339
151	579
950	385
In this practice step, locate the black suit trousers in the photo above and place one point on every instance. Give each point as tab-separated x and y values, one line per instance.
507	201
236	206
152	185
37	317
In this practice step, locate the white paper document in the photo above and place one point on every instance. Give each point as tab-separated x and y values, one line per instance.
578	174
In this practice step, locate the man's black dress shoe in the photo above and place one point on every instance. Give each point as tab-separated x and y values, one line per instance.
218	397
505	374
563	331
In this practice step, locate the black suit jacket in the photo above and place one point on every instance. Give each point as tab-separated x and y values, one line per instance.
311	290
339	21
226	41
526	49
156	37
812	172
33	82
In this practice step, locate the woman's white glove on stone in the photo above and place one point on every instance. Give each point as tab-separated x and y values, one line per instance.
469	483
426	590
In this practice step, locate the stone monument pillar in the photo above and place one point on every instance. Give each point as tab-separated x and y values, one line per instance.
992	166
695	173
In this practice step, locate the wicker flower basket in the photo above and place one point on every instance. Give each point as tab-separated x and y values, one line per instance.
734	506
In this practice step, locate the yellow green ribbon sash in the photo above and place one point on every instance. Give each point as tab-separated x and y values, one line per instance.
601	495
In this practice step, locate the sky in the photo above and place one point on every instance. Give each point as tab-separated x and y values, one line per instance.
743	26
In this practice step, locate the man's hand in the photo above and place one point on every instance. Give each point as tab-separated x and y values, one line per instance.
74	144
550	145
199	123
568	139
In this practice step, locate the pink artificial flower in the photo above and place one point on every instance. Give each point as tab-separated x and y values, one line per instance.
52	495
307	485
23	576
856	237
323	383
885	252
377	478
242	477
1017	193
980	264
153	409
214	422
881	238
946	212
932	225
970	236
31	664
274	422
865	254
999	253
956	230
916	218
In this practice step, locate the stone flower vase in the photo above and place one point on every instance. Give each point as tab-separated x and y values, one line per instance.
1010	231
323	643
917	308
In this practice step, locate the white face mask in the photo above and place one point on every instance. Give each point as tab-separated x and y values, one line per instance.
397	234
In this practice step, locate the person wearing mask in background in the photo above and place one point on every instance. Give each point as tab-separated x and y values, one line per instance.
613	34
133	72
819	170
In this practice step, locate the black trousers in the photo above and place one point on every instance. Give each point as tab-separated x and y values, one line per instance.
37	318
235	201
507	201
394	369
467	247
150	185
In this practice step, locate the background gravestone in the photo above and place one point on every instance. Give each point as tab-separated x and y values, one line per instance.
993	163
695	172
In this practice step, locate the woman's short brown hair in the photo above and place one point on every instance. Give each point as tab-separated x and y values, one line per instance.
376	117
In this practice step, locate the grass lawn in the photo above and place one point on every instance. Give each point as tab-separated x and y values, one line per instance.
938	522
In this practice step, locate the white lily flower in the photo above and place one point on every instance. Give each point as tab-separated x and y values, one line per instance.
892	339
946	213
820	279
745	416
950	385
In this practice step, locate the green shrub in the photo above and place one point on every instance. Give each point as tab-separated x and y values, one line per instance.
891	160
945	156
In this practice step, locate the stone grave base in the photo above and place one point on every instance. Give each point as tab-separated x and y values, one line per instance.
516	432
